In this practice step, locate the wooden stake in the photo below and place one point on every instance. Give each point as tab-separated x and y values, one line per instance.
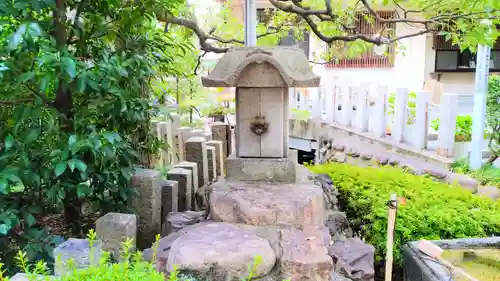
391	221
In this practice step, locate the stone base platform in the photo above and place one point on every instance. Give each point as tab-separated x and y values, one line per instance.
216	251
261	169
295	204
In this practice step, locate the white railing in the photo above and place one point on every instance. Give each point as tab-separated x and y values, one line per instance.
370	109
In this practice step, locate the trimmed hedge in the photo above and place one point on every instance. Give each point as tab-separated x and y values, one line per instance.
427	209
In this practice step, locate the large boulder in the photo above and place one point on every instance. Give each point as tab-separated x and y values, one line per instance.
354	259
305	254
220	251
295	205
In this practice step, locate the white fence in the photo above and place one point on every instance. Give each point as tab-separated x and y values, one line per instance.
374	110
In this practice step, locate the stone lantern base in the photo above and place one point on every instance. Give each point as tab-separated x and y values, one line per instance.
261	169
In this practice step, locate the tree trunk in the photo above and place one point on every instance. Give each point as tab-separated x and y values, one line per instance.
64	105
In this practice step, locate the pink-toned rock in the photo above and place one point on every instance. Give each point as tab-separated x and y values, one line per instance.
492	192
354	259
296	205
221	251
305	254
464	181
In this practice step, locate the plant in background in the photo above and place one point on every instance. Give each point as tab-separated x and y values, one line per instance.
493	116
431	210
75	111
487	175
411	106
463	131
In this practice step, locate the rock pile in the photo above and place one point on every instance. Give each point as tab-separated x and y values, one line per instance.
284	228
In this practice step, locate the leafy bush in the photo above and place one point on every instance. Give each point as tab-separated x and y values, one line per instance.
427	210
74	110
463	131
493	115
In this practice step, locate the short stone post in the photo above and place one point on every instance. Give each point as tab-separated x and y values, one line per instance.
447	124
183	178
400	114
380	117
80	252
169	201
193	167
421	119
147	205
222	132
211	161
330	110
362	106
113	229
346	106
219	153
196	151
181	139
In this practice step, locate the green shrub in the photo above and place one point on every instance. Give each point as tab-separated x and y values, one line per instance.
493	115
431	210
463	131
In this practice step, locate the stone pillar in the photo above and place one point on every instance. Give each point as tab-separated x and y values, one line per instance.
193	167
222	132
147	205
183	178
212	166
113	229
219	152
207	136
196	151
169	201
181	139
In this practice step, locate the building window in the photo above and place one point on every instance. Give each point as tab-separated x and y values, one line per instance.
369	59
449	58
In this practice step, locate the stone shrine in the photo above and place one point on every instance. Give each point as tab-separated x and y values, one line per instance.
262	77
266	206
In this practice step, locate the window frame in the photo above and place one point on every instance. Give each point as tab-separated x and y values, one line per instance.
369	59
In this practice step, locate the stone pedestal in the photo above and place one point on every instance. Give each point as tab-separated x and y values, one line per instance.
260	169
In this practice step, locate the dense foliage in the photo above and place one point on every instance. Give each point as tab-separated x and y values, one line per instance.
427	209
75	86
493	115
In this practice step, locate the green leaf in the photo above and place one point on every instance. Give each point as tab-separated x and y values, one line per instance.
32	135
72	140
26	76
4	229
70	66
78	164
82	190
60	168
110	136
29	219
3	186
9	142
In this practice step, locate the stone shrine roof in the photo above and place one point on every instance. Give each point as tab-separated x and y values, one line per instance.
262	67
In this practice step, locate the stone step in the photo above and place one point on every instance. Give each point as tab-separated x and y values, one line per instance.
297	205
